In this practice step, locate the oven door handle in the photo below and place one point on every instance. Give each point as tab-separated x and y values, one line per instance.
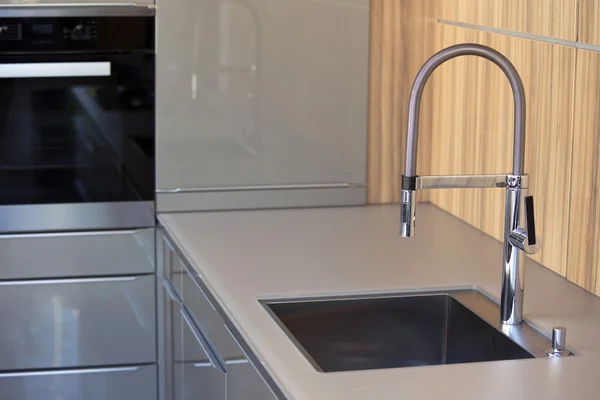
55	70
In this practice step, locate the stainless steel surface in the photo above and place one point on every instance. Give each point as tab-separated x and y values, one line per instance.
519	238
559	343
230	347
82	323
31	10
65	255
260	187
54	70
408	210
76	217
260	199
516	183
407	330
121	383
467	181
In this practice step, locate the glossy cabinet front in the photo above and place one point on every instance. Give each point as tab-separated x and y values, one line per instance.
82	323
255	93
203	359
119	383
81	254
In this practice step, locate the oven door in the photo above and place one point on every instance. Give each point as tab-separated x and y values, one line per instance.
76	141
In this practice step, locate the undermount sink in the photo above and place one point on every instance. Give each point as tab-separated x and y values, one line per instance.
409	330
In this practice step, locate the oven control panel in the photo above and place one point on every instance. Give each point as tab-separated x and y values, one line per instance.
75	34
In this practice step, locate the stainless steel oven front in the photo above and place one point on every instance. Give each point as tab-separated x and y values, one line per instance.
77	112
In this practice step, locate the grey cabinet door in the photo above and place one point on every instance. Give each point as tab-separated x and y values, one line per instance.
244	382
245	96
202	375
128	383
77	255
77	323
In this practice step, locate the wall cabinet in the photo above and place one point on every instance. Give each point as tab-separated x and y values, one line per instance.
249	99
203	358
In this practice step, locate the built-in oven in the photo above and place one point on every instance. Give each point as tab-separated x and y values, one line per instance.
77	118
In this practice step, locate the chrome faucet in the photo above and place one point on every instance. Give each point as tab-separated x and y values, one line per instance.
516	239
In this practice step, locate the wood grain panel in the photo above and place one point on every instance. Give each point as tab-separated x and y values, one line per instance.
589	18
552	18
472	118
583	260
403	35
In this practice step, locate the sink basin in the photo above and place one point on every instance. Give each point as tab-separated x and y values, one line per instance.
399	331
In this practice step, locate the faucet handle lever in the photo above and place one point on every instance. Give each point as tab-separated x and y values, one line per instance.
526	240
530	220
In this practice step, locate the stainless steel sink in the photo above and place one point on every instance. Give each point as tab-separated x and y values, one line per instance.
429	328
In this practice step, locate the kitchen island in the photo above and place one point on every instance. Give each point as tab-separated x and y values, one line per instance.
247	256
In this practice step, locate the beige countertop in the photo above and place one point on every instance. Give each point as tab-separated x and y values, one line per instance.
245	256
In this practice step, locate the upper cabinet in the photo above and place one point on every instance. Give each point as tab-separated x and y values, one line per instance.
550	18
261	103
589	15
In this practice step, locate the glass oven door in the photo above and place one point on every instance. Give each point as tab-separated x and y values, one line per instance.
75	129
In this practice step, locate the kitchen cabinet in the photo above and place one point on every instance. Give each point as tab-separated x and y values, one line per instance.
118	383
203	357
79	319
62	255
256	110
70	323
74	2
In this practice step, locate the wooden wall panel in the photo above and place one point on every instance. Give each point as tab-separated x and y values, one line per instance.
589	21
472	133
552	18
403	36
584	230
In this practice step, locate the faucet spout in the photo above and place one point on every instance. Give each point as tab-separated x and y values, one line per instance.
467	49
516	239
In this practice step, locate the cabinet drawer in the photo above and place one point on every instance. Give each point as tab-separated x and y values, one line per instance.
207	318
244	382
77	255
202	375
77	323
92	384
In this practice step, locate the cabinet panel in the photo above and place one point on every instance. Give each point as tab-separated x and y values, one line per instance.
583	263
244	382
208	318
200	378
551	18
77	255
248	96
95	384
589	15
77	323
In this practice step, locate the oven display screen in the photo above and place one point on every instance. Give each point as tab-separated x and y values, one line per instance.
42	29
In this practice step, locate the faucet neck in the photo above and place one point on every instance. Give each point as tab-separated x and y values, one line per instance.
468	49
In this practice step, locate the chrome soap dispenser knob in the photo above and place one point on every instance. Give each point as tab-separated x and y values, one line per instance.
559	343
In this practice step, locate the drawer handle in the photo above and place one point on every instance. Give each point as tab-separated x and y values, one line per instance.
169	289
212	357
67	280
69	372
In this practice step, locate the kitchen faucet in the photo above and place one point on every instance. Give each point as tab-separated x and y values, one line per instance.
516	239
